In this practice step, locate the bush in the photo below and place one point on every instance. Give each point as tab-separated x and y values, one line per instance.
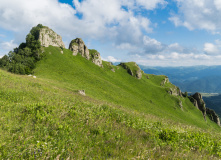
22	60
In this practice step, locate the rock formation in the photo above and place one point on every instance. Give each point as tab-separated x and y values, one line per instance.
175	91
95	57
213	116
198	102
165	80
133	69
48	37
77	46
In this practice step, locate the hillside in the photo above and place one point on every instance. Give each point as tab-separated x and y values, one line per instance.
124	114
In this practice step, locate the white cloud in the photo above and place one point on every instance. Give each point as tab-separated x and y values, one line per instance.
213	49
210	48
152	45
198	14
111	59
126	46
5	47
100	20
177	59
150	5
8	45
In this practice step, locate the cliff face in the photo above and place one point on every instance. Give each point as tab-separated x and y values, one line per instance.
48	37
213	116
198	102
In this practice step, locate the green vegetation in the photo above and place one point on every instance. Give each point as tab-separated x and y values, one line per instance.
121	117
93	53
131	67
23	59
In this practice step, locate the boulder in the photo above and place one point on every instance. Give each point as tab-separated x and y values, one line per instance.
78	46
82	92
48	37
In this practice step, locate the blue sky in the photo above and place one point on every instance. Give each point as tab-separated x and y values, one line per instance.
149	32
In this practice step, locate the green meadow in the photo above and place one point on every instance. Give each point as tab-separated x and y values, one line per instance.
121	117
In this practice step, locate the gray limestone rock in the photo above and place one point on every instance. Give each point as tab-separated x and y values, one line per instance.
77	46
82	92
95	57
48	37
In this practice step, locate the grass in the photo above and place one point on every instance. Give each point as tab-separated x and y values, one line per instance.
120	117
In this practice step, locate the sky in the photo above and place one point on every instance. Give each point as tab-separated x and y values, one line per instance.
149	32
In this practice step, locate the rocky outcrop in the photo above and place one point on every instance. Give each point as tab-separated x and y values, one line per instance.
95	57
165	80
175	91
193	101
48	37
133	69
198	102
77	46
213	116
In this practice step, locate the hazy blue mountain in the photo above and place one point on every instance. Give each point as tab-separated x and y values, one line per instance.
205	79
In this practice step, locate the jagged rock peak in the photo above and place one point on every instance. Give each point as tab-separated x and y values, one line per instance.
200	102
213	116
133	69
47	36
78	46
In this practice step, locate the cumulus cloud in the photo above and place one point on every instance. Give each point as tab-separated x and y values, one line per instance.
210	48
198	14
111	59
5	47
152	45
150	5
177	59
100	20
213	48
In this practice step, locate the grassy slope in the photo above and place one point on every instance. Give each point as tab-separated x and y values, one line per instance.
119	88
120	118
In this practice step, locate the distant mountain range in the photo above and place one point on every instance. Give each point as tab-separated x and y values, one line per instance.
204	79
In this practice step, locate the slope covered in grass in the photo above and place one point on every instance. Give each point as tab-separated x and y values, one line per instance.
42	121
120	117
119	88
